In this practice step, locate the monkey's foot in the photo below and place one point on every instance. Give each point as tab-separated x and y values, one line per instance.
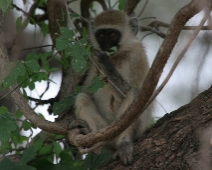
80	124
124	152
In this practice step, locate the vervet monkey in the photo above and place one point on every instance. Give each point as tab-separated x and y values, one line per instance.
127	69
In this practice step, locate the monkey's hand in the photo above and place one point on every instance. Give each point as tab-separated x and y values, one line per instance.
80	124
124	152
112	73
103	58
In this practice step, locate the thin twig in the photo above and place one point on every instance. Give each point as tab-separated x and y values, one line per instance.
157	23
31	48
200	66
139	15
47	88
19	9
84	19
147	28
42	102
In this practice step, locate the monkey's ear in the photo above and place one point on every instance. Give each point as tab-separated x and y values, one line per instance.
133	22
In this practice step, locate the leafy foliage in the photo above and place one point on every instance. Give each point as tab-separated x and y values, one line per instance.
7	124
62	105
16	131
94	161
9	165
96	84
122	4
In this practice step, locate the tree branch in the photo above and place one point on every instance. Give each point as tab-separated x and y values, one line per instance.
196	32
179	140
130	6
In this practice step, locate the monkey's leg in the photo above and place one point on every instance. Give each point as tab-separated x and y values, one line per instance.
87	111
124	142
124	146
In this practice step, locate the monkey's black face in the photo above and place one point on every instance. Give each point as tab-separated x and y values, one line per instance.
108	38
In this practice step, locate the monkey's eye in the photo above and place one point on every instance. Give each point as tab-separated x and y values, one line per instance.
113	35
101	36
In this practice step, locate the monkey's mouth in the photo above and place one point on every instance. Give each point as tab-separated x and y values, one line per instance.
112	50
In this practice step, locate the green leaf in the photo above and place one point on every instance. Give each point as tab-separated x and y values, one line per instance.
4	148
7	124
45	60
27	125
113	50
38	143
78	60
31	85
32	66
23	80
17	70
17	138
79	64
96	84
28	155
40	76
67	160
23	138
122	4
25	167
8	164
43	164
62	42
20	24
18	114
4	4
44	28
93	161
3	110
57	148
32	56
62	105
78	50
46	149
57	137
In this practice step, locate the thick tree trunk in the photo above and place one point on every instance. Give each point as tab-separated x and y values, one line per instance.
179	140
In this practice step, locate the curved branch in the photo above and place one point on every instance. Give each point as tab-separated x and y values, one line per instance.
150	82
130	6
54	127
157	24
84	7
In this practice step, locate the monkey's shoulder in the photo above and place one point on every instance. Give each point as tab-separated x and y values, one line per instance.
133	52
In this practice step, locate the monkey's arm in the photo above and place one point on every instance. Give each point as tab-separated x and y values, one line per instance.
111	72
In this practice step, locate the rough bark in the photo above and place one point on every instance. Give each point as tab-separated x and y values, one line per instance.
179	140
57	17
